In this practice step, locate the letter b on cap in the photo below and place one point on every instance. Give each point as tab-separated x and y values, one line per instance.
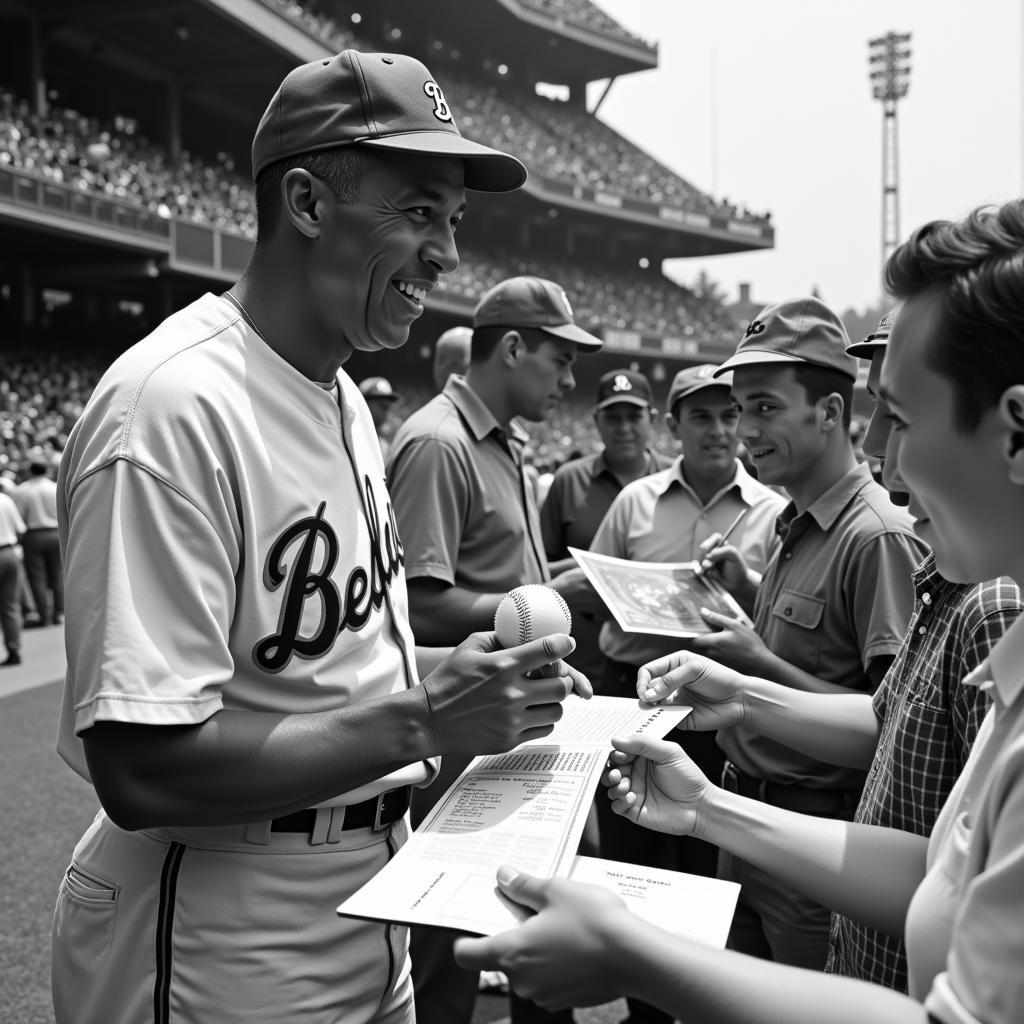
441	109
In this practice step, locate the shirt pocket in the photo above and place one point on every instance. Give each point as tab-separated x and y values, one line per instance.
797	618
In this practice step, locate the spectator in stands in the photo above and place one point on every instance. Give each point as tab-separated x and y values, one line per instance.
832	607
12	528
380	398
470	531
451	354
36	499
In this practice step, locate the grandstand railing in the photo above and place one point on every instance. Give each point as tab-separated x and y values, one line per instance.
48	202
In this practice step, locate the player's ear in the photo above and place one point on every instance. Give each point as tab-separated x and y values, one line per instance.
303	196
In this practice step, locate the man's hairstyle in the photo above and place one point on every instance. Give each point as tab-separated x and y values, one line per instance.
341	168
485	340
819	381
976	265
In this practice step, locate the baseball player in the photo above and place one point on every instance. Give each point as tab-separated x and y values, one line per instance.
243	690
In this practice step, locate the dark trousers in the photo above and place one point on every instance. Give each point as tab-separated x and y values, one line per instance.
42	567
10	587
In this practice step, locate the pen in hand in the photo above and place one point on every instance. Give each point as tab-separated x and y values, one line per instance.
701	567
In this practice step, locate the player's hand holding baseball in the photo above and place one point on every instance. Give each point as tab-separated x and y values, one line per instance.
655	784
482	701
717	694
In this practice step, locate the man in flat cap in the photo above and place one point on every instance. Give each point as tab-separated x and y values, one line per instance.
243	688
834	602
380	399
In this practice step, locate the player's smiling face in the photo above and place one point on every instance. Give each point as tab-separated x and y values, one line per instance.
379	256
704	423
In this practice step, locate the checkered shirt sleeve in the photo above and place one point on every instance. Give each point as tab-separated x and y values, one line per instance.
928	722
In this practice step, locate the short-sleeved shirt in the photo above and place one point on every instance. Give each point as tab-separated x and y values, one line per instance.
460	496
228	540
36	499
928	723
837	594
11	523
579	498
965	925
580	495
660	518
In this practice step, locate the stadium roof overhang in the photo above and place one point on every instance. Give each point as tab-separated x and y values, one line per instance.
555	50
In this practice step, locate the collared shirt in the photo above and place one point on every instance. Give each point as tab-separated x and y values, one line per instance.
11	523
36	499
457	486
929	720
660	518
965	925
581	493
836	595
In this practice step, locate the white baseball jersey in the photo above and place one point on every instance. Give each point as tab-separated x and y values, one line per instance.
228	540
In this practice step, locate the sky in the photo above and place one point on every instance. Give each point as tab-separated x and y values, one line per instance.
768	103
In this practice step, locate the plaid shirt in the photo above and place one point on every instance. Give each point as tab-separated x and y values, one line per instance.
928	723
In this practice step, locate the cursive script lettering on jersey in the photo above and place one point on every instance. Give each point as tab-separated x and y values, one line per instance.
302	562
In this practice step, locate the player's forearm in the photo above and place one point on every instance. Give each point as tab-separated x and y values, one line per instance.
447	615
700	985
866	872
837	728
241	766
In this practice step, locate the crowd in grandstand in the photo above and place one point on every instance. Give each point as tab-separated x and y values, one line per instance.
586	15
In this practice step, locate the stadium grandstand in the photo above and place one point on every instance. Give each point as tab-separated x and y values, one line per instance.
125	128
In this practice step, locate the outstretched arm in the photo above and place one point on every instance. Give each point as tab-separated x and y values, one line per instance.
865	872
583	947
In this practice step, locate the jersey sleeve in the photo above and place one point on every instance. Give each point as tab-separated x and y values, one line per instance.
430	496
151	579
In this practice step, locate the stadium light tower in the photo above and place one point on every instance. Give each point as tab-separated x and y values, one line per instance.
889	61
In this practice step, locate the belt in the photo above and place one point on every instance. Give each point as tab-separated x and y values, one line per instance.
376	813
792	798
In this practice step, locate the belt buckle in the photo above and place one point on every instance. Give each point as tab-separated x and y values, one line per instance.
377	826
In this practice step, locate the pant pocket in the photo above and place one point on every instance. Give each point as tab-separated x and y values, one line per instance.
83	929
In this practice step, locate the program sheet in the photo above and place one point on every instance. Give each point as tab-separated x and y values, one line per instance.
527	807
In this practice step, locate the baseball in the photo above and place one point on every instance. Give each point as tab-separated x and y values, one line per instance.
528	613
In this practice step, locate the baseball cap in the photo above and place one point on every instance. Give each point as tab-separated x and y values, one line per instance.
624	386
377	387
878	338
800	330
532	302
695	378
383	100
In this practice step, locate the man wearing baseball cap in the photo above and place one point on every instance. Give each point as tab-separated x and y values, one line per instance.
468	525
240	659
380	399
833	604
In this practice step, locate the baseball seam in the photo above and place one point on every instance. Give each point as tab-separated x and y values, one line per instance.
523	612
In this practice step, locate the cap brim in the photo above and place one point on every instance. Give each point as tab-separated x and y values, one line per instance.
382	398
623	400
702	386
570	332
753	357
867	348
487	170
